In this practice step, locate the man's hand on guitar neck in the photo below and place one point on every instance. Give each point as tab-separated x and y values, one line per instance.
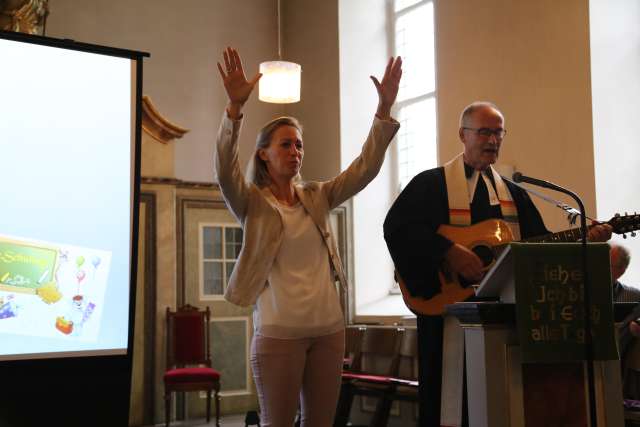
464	262
599	232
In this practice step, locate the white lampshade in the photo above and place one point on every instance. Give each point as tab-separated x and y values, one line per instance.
280	82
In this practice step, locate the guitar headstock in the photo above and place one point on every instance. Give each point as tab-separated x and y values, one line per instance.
626	223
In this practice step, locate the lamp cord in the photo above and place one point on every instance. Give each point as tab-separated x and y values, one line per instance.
279	36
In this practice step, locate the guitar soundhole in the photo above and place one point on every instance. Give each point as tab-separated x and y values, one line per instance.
485	254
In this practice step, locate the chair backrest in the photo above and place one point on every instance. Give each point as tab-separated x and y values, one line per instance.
379	353
408	363
188	337
353	344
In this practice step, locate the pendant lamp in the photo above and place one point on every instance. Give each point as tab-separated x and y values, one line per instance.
280	82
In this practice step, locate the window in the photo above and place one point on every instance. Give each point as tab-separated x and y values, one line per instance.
219	249
413	39
413	32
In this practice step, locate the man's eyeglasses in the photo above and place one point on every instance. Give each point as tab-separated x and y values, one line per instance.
499	133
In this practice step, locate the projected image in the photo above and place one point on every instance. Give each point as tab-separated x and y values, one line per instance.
51	290
66	231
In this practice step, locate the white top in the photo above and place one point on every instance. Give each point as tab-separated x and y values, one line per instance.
301	299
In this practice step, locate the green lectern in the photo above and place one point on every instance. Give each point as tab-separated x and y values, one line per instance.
526	354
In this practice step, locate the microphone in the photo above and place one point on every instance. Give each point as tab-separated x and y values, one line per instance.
518	177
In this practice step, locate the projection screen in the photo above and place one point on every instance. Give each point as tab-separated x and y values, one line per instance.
68	120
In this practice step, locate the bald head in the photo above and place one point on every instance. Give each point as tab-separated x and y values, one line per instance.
620	259
469	110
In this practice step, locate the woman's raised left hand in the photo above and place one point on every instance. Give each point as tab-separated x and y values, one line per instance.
388	87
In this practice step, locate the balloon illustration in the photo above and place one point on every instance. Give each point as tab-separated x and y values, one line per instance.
80	261
95	261
80	275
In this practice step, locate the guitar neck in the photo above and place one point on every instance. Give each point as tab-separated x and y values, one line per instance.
570	235
620	224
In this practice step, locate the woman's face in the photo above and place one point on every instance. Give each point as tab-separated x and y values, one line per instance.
284	154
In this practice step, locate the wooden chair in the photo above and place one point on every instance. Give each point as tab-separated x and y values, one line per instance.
370	373
188	358
404	386
352	345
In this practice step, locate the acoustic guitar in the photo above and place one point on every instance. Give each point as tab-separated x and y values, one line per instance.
486	239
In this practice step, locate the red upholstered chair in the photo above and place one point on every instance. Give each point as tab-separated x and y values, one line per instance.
188	358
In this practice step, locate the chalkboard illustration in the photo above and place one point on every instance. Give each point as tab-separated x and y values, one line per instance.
51	290
26	267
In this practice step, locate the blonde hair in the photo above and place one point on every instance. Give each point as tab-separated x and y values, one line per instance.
257	172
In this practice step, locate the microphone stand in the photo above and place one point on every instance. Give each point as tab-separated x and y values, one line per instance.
518	177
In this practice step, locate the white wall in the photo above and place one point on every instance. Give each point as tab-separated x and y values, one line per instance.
310	30
615	80
185	39
364	52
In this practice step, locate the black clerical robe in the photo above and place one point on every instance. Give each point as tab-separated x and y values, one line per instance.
418	250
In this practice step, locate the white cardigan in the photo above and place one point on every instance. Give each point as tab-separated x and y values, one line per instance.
256	210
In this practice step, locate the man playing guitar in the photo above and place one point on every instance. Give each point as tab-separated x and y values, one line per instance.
465	191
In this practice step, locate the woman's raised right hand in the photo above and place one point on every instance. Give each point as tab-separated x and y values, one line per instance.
235	83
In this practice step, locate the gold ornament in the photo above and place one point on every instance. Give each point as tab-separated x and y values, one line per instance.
24	16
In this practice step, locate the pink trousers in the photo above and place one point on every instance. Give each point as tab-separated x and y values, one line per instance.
304	371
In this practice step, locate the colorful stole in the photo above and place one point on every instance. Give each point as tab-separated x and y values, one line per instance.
461	190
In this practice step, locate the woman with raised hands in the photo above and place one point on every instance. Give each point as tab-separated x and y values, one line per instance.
289	262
